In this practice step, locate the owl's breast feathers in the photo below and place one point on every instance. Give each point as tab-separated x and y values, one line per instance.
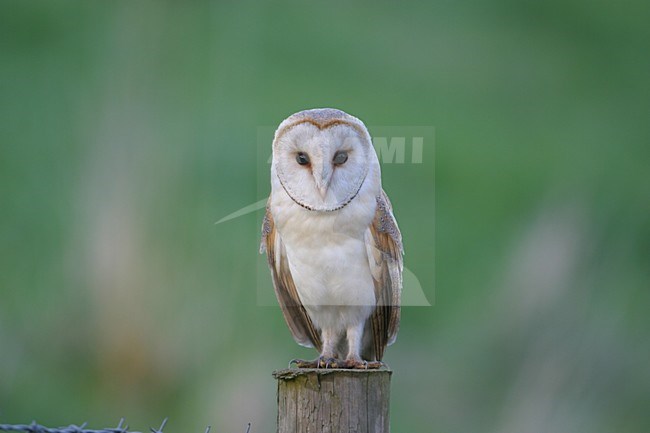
336	261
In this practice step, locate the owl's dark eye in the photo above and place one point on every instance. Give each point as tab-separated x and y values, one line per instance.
302	158
340	157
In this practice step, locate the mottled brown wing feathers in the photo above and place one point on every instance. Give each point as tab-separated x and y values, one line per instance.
384	245
294	312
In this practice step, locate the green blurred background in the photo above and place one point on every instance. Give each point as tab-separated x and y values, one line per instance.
127	128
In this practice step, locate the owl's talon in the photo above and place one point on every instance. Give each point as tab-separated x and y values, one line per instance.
373	365
303	363
332	363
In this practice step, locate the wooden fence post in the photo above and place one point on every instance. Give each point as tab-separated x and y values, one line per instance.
333	400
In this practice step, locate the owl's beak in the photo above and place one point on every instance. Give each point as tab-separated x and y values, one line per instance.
323	190
322	177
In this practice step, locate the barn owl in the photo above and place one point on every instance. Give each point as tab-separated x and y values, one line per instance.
332	242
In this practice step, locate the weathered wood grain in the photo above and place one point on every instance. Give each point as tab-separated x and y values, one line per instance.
333	400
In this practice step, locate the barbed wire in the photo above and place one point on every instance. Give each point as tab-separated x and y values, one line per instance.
72	428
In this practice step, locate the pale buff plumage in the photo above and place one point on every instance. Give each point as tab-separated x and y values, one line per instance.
333	244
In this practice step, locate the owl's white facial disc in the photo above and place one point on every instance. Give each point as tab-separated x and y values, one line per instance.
322	169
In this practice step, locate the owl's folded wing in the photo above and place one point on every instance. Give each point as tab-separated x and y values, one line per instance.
384	247
299	323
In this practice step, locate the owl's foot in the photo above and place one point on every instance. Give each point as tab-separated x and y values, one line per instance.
320	362
302	363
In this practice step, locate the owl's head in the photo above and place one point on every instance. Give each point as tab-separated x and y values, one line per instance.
322	158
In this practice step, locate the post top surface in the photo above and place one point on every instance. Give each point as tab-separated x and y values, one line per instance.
292	373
